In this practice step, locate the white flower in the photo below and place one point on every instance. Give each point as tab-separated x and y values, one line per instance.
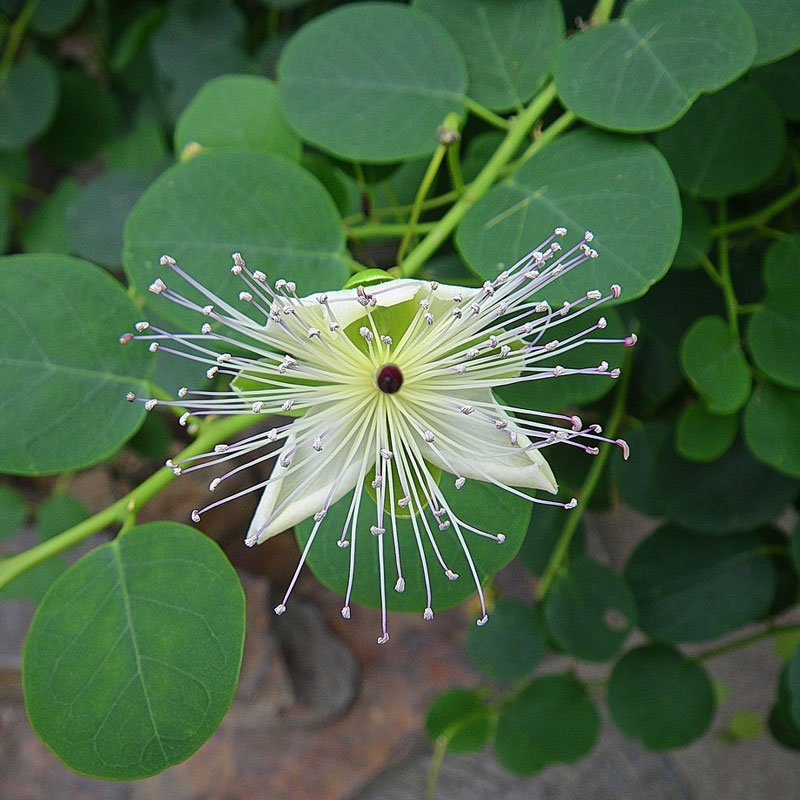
385	382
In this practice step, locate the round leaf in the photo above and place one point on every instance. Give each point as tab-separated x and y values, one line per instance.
621	189
372	98
96	216
660	697
551	721
691	588
510	645
54	16
479	504
277	215
133	656
237	112
462	717
773	333
590	610
195	43
793	685
703	436
782	81
772	428
728	143
643	71
28	95
508	45
45	231
65	372
777	27
696	235
59	513
87	118
13	511
715	365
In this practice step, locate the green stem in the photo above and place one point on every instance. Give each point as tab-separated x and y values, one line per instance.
435	766
399	210
454	166
16	33
745	641
731	306
711	270
602	12
517	131
120	511
759	217
385	230
450	123
559	555
485	114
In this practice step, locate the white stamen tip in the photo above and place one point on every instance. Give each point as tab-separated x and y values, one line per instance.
280	608
427	614
157	286
208	311
616	291
631	340
141	327
343	543
626	451
213	485
221	448
482	621
166	261
211	372
126	338
153	347
451	576
383	638
246	297
571	504
403	502
130	397
346	612
257	407
501	537
259	276
195	516
183	419
320	515
377	531
183	391
560	231
400	586
151	404
460	481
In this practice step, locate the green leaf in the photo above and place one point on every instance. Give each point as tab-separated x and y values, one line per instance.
5	218
237	112
590	610
773	333
782	723
691	588
782	81
96	216
142	149
59	513
543	533
619	188
777	27
51	17
793	684
728	143
33	584
63	365
133	656
45	231
696	235
551	721
13	511
462	717
643	71
88	117
508	45
703	436
572	390
479	504
772	428
28	97
197	41
372	98
734	493
277	215
660	697
715	365
510	645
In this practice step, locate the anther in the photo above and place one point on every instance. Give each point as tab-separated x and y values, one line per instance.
460	481
157	286
208	310
211	372
346	612
280	608
183	391
482	621
400	586
130	397
195	516
205	329
213	485
427	614
151	404
141	327
383	638
630	341
126	338
246	297
317	445
451	576
376	530
166	261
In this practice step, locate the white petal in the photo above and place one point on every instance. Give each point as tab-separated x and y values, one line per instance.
334	472
477	438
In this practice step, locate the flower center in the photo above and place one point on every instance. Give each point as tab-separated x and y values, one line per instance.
389	379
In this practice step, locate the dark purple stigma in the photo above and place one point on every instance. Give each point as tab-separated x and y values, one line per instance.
390	379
